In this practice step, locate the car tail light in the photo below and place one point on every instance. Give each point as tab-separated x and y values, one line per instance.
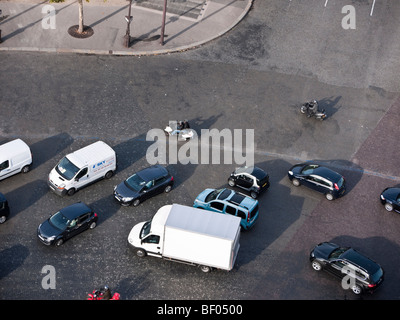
95	214
172	178
371	285
336	186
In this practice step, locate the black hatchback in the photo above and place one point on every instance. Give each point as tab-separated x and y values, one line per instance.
252	179
143	185
66	223
4	208
319	178
362	274
390	198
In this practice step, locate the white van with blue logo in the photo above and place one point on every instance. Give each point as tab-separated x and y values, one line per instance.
82	167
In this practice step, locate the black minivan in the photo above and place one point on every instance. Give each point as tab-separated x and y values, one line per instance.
4	209
318	178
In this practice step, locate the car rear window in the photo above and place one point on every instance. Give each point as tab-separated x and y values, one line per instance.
340	183
377	275
254	211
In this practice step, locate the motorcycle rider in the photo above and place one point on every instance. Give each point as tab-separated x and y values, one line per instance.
312	108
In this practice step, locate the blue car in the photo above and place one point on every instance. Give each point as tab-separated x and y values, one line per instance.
230	202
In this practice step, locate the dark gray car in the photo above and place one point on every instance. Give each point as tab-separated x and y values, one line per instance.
143	185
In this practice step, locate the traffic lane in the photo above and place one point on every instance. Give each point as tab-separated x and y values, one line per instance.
101	256
307	38
357	220
120	108
379	152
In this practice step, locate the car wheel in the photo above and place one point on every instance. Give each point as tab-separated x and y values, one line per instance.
3	219
136	202
168	189
59	242
329	196
356	289
141	253
231	182
254	195
93	225
316	265
205	269
296	182
388	206
71	192
108	175
25	169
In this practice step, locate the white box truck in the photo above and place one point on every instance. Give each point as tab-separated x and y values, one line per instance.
15	157
189	235
82	167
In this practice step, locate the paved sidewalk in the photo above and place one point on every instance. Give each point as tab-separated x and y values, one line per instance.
189	23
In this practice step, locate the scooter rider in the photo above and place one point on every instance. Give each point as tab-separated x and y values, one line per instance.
312	108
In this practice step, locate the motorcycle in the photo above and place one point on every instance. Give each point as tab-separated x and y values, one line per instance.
307	107
179	128
103	293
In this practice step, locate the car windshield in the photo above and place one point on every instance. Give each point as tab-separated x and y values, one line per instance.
145	229
135	182
59	221
67	169
309	169
213	195
337	253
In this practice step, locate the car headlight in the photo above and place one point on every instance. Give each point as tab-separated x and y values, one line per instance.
126	199
291	173
382	197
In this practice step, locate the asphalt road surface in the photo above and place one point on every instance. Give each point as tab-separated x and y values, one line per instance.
282	54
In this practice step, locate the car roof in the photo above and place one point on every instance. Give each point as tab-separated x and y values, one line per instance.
254	171
327	173
152	172
360	260
75	210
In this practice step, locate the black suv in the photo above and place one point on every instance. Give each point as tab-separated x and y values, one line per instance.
318	178
362	274
143	185
251	179
4	209
390	198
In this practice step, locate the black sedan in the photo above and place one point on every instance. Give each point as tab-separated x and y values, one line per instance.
362	274
318	178
4	208
66	223
143	185
390	198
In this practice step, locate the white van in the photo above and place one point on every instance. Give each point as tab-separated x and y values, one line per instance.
15	156
82	167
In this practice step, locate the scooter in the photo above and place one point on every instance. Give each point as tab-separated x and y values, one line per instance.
319	114
103	293
179	128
